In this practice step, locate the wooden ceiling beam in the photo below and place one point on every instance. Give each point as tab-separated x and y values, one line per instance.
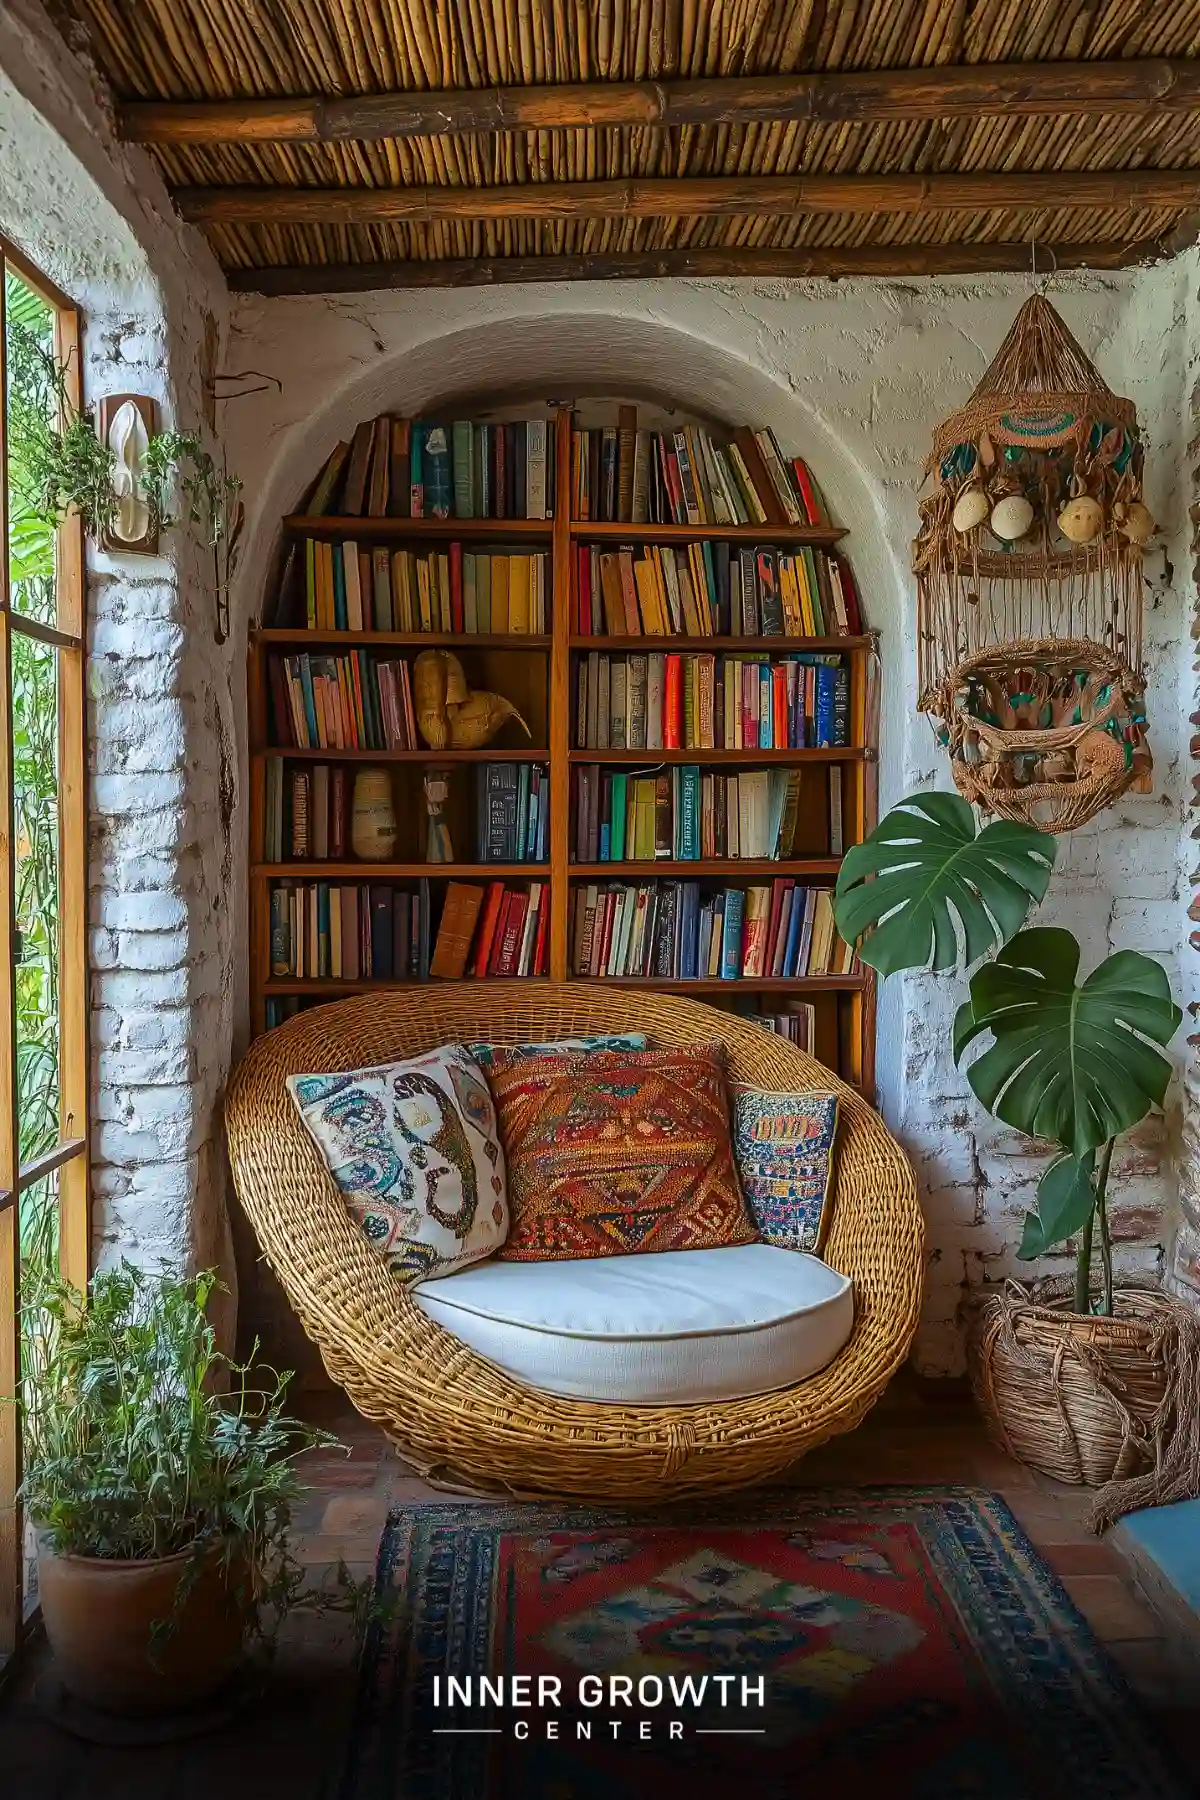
878	260
704	197
1085	89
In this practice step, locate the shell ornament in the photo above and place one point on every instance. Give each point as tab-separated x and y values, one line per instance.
1011	518
970	509
1081	519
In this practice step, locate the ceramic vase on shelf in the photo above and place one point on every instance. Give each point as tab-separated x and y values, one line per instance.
373	818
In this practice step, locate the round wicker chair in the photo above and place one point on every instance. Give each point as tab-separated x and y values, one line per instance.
458	1419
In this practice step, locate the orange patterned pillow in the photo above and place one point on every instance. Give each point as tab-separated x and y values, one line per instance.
617	1152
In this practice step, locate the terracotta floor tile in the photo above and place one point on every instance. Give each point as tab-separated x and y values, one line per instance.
349	1546
1111	1608
1092	1557
1153	1671
344	1475
1051	1522
355	1513
322	1570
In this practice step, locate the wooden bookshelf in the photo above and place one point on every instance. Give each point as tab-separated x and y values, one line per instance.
516	642
544	665
729	758
817	537
327	870
761	645
422	758
404	531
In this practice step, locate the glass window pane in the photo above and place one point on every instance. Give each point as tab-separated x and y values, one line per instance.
35	820
38	1217
32	405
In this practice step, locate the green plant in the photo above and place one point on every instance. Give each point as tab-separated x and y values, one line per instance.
1071	1065
33	395
141	1440
62	461
899	892
212	500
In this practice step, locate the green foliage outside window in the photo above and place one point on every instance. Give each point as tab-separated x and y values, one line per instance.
30	403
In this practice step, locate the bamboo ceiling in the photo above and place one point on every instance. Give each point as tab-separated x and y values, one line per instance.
257	50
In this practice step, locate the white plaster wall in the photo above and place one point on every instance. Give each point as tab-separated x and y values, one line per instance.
852	376
95	217
1183	1263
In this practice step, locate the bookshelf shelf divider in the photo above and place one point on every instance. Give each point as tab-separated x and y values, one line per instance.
546	663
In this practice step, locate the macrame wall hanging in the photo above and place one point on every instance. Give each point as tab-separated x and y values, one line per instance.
1029	584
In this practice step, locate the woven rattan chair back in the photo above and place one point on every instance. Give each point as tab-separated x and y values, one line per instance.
461	1421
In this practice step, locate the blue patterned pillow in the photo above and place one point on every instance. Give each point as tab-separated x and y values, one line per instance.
414	1150
783	1147
620	1040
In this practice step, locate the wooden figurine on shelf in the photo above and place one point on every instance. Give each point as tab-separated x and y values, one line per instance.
438	847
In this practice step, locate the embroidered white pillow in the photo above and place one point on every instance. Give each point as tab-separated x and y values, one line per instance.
414	1149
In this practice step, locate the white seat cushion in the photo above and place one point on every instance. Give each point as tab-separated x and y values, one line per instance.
669	1329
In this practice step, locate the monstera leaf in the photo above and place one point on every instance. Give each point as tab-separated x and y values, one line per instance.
1066	1197
899	892
1074	1064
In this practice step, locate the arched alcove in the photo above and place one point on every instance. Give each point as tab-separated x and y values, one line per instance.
527	360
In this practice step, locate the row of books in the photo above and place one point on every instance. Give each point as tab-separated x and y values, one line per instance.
512	813
686	477
684	814
379	932
493	930
351	701
798	1024
307	812
666	701
412	468
400	468
712	589
350	932
678	931
348	587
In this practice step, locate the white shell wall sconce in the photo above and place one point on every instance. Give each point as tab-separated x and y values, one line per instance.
127	424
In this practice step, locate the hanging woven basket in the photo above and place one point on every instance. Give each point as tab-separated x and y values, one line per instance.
1032	536
1109	1403
1043	733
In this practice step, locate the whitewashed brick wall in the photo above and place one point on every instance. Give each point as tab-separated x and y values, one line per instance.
163	774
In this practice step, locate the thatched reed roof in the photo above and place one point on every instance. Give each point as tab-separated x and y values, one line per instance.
1051	146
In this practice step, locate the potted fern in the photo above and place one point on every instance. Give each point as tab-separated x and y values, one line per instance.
159	1477
1073	1065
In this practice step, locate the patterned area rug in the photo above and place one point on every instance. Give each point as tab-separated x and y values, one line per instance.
891	1641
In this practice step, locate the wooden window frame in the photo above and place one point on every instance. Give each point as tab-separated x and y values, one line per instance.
69	1159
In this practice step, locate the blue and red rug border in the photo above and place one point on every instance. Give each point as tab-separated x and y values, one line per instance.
1067	1684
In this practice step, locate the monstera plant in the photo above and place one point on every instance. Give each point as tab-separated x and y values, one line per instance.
1075	1064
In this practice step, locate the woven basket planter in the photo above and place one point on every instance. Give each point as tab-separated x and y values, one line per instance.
1110	1403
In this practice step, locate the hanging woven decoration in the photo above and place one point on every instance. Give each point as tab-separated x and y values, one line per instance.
1029	584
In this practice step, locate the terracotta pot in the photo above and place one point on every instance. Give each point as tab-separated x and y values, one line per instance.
100	1617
